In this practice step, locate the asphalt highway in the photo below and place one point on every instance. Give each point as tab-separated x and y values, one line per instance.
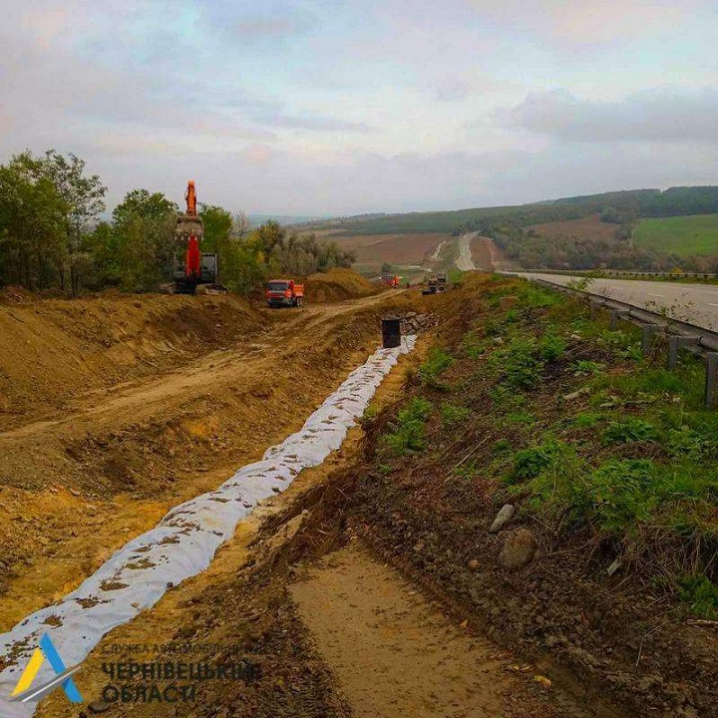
693	303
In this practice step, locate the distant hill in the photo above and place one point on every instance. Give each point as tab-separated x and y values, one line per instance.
258	219
615	207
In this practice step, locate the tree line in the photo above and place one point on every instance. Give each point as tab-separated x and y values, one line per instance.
533	251
53	237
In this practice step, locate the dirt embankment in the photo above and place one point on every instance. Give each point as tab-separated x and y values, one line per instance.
338	285
130	406
346	638
55	351
487	255
616	638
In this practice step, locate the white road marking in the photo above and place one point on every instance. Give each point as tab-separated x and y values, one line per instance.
710	304
656	295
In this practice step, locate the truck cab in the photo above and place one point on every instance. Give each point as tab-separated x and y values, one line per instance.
284	293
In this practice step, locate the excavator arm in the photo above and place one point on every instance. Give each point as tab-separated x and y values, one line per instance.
191	199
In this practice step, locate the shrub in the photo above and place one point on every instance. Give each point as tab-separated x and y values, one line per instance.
587	419
436	363
552	347
520	417
502	446
533	296
626	432
452	414
409	430
702	595
518	363
473	345
585	367
530	463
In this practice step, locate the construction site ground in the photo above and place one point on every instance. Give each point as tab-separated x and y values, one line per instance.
116	409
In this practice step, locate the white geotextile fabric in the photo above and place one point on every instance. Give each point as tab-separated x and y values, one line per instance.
185	541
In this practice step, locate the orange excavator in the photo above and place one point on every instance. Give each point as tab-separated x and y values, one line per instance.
199	270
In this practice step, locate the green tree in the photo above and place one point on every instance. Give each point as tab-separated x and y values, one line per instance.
32	224
144	228
83	197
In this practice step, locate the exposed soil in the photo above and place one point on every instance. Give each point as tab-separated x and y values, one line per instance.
338	285
487	255
90	469
363	590
395	654
585	228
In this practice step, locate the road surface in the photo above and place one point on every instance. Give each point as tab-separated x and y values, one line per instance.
693	303
464	262
437	252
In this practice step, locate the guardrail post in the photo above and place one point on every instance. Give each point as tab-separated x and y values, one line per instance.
711	379
648	331
617	314
674	343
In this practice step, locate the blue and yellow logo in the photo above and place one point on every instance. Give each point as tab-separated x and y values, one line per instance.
23	691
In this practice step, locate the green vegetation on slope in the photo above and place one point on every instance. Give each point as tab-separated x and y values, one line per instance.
610	463
614	207
595	442
694	234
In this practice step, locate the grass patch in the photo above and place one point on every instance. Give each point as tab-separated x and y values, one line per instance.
518	365
701	595
408	432
692	234
624	432
437	362
452	414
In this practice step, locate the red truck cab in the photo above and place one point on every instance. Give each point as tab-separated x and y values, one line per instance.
284	293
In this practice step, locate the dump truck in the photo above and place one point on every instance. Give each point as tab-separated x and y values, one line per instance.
284	293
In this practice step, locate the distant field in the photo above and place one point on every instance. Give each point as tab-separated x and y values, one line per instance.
584	228
694	234
392	248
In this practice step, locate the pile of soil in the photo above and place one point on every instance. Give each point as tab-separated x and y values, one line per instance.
54	350
338	285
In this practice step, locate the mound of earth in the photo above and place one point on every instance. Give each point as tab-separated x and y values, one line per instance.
56	349
338	285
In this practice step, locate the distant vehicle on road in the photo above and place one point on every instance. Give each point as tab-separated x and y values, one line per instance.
391	279
436	283
284	293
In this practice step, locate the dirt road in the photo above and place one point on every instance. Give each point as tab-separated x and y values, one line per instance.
464	262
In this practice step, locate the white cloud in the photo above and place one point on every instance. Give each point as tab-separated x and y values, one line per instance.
660	115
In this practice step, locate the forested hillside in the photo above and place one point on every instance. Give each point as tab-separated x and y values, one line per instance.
616	207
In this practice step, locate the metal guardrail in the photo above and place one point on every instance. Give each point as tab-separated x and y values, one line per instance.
625	273
681	335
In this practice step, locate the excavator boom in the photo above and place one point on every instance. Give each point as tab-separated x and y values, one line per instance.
191	199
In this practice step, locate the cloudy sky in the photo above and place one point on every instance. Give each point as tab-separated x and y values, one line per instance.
343	107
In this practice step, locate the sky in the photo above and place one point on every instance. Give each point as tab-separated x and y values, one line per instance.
332	107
